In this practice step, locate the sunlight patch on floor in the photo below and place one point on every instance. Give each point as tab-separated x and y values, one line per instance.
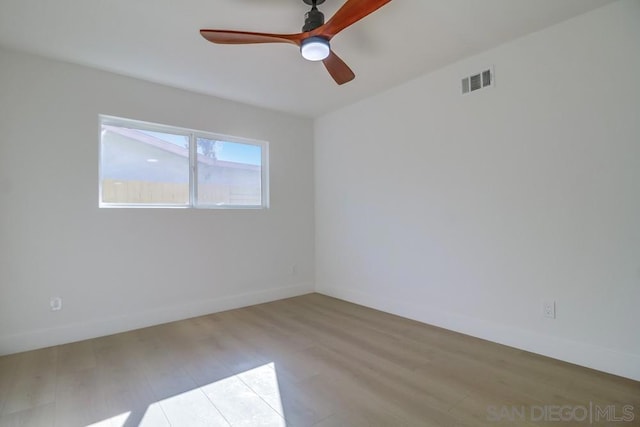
250	398
264	381
118	420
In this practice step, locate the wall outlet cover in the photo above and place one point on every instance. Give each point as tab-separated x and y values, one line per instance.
549	309
55	303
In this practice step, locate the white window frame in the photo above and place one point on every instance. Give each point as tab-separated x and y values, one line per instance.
192	135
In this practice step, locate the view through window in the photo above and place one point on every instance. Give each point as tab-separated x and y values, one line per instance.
147	165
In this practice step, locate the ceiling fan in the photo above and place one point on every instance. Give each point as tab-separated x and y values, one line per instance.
314	40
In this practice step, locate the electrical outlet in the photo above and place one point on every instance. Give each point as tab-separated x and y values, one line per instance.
549	309
55	303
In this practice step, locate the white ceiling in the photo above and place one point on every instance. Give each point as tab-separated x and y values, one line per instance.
158	40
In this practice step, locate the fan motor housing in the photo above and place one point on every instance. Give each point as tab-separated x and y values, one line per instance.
312	20
310	2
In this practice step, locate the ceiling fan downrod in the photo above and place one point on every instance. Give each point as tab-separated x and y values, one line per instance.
314	18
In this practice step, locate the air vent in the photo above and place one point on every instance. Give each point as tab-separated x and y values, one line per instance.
478	81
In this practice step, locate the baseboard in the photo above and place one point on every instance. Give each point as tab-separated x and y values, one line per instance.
583	354
101	327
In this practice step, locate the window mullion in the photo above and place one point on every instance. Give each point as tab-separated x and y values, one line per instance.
193	170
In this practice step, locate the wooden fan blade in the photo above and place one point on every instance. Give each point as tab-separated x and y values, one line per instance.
350	13
340	71
245	37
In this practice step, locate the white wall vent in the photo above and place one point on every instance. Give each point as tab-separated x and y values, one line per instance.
481	80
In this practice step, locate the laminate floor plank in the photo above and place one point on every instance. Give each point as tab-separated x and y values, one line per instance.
75	357
80	399
38	416
34	381
8	368
126	389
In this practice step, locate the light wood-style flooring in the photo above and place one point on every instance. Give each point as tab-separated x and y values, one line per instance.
304	361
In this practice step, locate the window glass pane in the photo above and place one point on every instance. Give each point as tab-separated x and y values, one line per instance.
229	173
139	166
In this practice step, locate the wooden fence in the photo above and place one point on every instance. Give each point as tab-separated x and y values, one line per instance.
115	191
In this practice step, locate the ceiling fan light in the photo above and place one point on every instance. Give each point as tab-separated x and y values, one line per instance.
315	48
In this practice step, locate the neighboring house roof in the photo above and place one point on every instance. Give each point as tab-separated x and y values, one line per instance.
133	155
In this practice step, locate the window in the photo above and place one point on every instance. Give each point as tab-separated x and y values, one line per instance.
149	165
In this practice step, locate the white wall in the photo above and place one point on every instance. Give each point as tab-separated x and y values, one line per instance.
466	212
120	269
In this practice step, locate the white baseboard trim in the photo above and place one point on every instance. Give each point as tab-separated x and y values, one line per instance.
583	354
101	327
